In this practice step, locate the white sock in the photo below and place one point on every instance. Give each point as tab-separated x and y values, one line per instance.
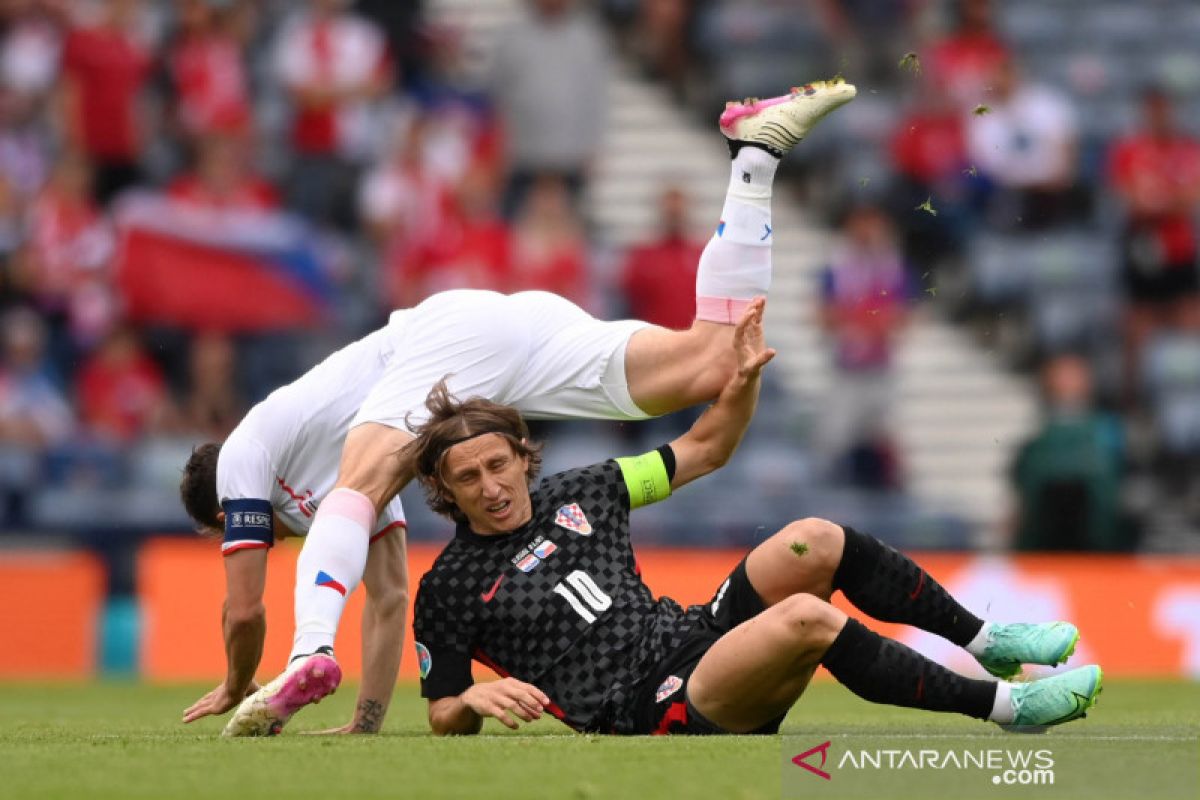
976	646
735	266
1002	710
330	566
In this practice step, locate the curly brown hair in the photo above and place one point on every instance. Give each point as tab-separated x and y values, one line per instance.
198	487
452	421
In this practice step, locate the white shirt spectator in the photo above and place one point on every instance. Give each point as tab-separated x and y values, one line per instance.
1026	141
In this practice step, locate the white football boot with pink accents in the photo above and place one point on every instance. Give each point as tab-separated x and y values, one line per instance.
307	679
780	122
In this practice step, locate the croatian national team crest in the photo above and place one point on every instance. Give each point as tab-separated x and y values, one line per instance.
668	687
571	517
424	660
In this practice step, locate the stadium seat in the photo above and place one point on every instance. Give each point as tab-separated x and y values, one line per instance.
1172	380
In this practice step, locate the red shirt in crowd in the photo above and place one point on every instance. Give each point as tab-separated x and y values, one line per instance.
108	68
210	79
250	194
118	397
964	63
657	281
1160	178
928	147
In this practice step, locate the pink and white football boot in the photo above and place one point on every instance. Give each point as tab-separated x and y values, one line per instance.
307	679
779	123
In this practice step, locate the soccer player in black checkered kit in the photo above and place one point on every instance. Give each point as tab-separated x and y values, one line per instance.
543	587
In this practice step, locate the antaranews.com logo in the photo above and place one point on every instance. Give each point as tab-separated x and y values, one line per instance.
1005	766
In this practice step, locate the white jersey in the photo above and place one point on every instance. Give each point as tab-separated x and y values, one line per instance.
532	350
286	451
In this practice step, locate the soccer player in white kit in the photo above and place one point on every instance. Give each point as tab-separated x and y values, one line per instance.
534	351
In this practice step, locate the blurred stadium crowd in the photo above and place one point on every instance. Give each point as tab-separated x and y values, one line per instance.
199	198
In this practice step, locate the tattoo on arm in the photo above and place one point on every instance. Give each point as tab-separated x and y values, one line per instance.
369	717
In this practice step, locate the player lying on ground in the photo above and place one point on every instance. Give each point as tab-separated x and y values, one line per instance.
544	588
532	351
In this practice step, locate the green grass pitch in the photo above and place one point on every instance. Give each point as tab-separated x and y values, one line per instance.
113	740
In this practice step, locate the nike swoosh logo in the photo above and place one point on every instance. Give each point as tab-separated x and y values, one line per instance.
1081	704
487	596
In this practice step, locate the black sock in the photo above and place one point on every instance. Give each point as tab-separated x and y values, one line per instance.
736	145
890	587
885	671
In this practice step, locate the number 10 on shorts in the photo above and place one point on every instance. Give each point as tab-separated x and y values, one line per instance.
584	595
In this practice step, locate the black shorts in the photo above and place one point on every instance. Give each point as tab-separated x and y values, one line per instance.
663	706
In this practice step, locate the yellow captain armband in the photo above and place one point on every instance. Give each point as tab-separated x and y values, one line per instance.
646	478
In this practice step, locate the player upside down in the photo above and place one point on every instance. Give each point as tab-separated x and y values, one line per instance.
322	455
543	587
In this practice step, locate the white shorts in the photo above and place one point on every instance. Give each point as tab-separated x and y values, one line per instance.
533	350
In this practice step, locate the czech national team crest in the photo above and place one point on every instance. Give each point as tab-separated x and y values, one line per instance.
668	687
571	517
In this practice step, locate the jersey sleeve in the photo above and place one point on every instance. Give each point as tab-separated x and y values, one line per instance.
648	476
244	476
444	643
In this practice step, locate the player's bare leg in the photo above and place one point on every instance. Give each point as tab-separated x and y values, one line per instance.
671	370
757	671
812	556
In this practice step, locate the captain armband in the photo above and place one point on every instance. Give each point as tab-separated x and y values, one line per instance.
648	476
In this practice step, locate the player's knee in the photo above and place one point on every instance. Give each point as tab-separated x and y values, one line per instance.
808	620
818	542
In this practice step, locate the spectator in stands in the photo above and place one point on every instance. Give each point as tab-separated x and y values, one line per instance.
929	155
120	391
1156	173
549	250
223	178
213	406
661	38
207	68
31	48
34	414
105	70
64	264
963	63
30	60
462	132
1067	476
866	301
334	66
870	36
405	205
654	271
1026	147
474	249
549	78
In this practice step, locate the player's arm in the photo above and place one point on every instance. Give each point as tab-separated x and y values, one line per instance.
714	437
244	628
249	533
383	623
503	699
244	617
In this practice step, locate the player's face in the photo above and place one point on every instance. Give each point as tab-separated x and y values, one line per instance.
487	482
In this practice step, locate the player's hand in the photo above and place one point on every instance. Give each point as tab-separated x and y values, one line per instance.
505	699
218	701
748	342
